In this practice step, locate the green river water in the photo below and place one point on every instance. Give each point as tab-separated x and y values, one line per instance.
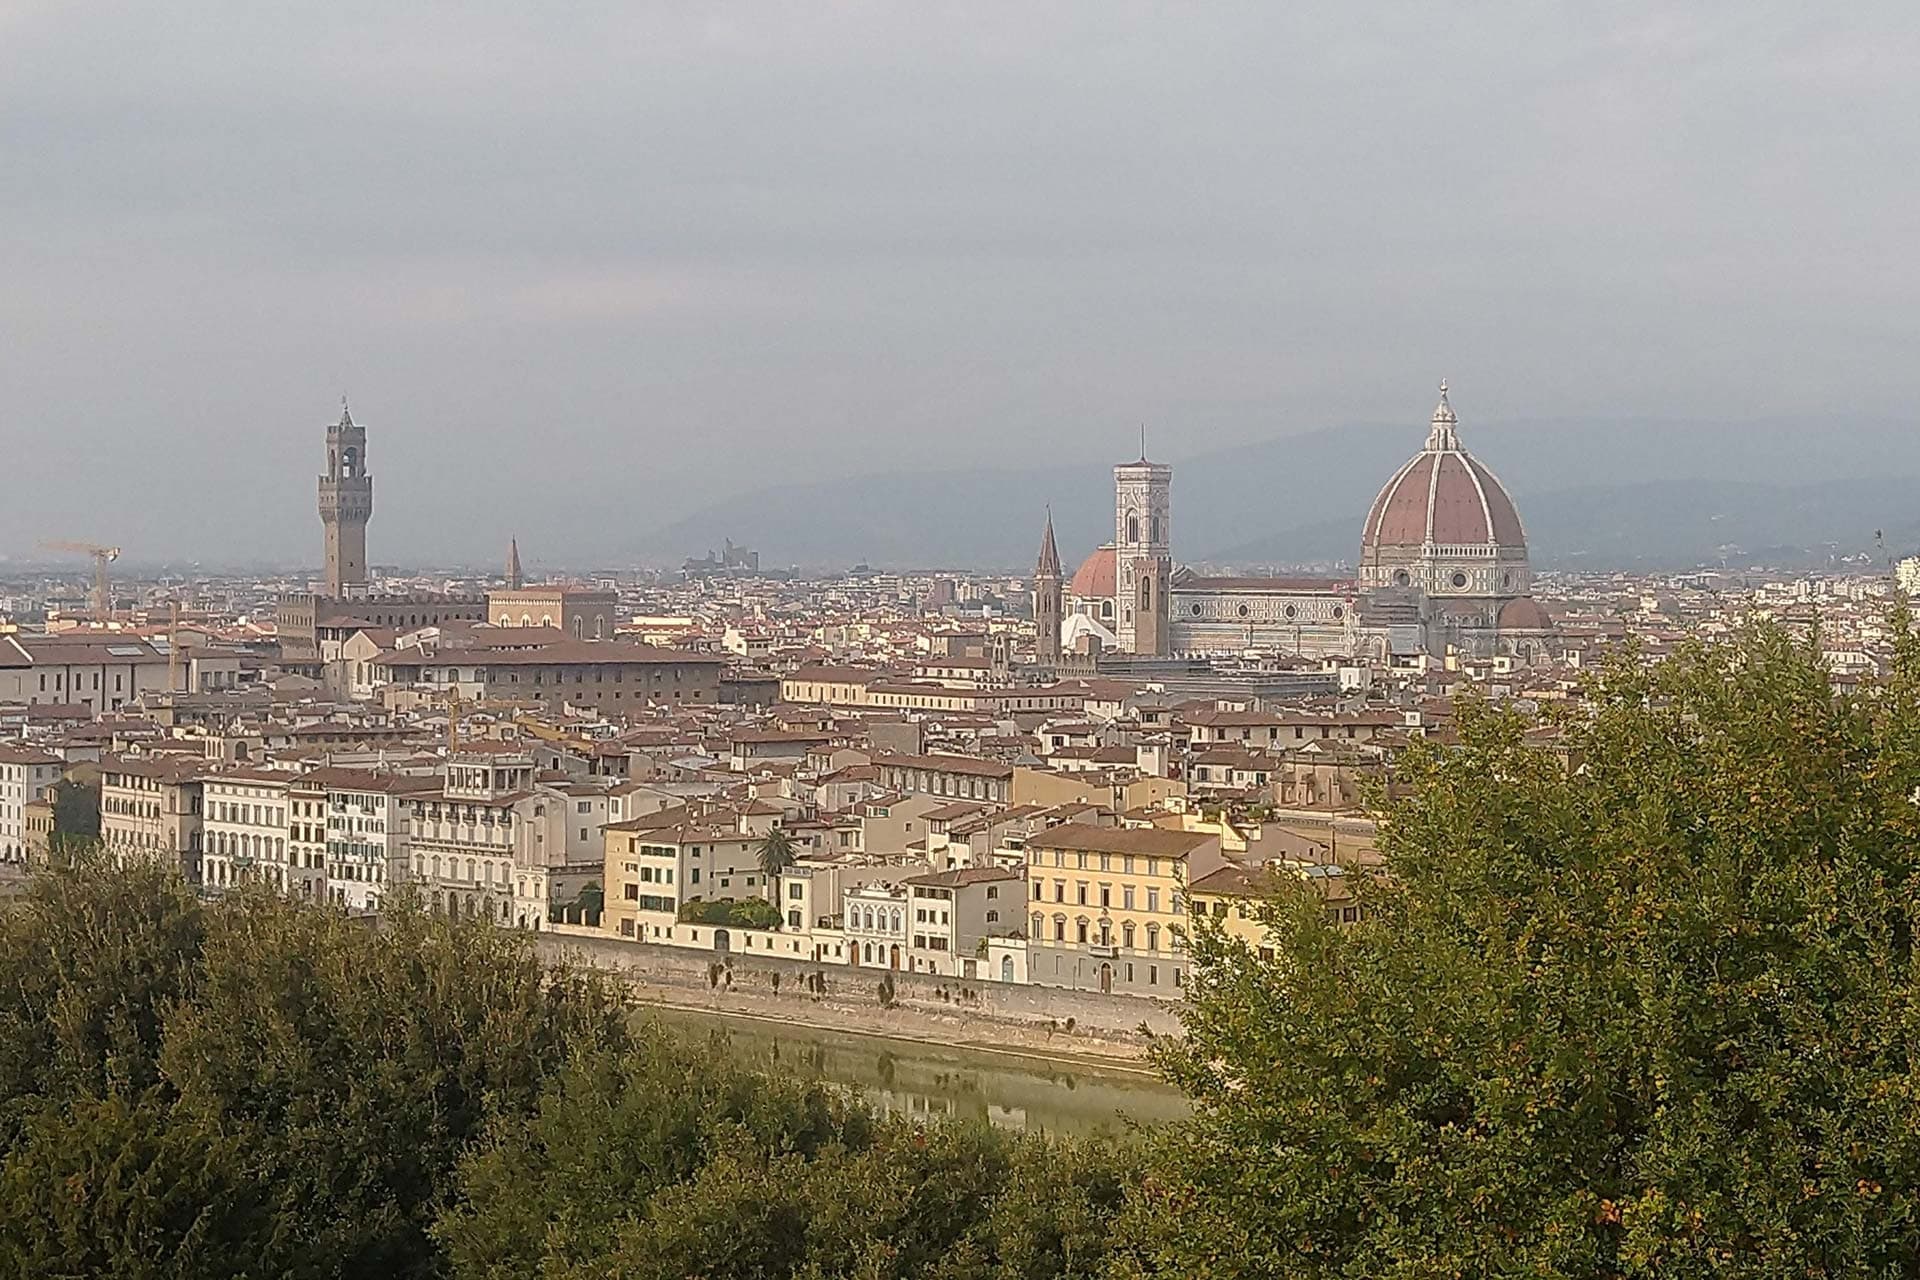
908	1077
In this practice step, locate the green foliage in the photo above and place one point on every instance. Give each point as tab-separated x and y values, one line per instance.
129	1188
747	913
76	811
1655	1017
667	1165
776	856
261	1088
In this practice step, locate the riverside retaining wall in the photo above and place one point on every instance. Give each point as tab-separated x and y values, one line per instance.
915	1006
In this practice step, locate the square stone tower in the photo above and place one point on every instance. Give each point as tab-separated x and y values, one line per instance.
1143	554
346	505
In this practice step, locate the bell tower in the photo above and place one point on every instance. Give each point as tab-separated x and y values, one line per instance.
1142	554
346	505
1046	597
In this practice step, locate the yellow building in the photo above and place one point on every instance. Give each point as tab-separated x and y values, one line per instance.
1232	895
1107	906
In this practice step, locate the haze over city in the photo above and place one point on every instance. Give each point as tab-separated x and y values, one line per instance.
582	278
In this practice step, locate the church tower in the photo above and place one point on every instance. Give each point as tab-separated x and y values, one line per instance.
346	504
1046	597
1142	554
515	580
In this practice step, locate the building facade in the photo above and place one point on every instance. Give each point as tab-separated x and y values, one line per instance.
583	613
25	776
1107	906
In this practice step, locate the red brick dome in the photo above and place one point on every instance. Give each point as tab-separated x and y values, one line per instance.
1443	497
1096	577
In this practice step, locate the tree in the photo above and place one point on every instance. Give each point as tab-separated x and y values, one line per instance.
1655	1016
76	812
664	1163
776	856
253	1080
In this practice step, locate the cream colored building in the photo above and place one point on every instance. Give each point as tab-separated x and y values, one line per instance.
25	775
582	613
150	811
102	672
244	833
1107	906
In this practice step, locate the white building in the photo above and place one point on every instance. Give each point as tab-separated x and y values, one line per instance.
954	913
25	775
875	921
245	829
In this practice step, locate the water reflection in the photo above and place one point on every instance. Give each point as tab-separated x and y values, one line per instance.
903	1077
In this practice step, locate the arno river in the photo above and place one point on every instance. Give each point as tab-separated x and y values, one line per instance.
908	1077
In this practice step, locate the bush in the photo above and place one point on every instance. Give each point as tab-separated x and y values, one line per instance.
746	913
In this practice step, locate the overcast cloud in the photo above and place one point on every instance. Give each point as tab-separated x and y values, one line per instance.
583	266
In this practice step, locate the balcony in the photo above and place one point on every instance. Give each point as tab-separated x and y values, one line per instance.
1103	950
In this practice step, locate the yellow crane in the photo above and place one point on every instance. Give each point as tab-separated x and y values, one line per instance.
99	599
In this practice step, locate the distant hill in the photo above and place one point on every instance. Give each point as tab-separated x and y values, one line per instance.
1593	494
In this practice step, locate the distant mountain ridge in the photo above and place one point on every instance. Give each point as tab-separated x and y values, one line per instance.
1593	494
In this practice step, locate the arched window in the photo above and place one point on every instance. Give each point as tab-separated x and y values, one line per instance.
1126	935
1153	937
1156	527
1133	526
1146	593
1038	925
1080	929
896	920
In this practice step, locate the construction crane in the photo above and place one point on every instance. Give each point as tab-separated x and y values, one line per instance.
99	599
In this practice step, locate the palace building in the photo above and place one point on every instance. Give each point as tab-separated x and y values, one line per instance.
1442	566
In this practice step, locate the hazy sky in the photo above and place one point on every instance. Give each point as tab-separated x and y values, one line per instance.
583	265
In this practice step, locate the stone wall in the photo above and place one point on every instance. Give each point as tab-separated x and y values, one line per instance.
874	1001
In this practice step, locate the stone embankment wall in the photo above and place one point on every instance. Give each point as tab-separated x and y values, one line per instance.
913	1006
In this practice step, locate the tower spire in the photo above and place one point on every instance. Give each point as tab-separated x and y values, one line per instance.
513	564
1048	566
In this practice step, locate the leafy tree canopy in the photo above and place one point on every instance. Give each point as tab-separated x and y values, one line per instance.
1653	1015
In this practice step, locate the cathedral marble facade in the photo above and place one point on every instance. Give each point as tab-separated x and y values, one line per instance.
1443	566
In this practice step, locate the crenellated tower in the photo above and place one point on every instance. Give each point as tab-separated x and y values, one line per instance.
346	505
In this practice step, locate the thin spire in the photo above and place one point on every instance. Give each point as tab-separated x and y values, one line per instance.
1048	565
513	564
346	415
1143	442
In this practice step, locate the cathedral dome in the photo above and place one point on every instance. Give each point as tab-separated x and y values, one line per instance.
1442	497
1524	614
1096	576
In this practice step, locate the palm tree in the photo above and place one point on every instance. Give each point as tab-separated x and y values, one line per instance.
776	855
